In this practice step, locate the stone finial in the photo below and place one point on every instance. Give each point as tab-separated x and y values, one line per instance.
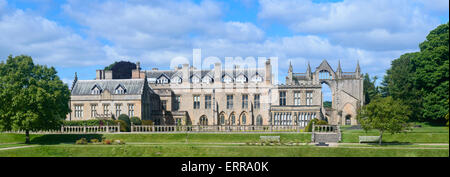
290	67
339	66
339	70
308	71
358	69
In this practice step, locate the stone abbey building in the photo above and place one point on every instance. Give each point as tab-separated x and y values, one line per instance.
220	96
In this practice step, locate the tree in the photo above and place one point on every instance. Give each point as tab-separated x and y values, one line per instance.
327	104
32	96
421	79
385	115
121	69
399	83
432	74
370	91
126	119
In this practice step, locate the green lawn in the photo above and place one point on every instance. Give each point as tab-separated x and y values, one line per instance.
215	151
11	145
228	145
425	134
156	138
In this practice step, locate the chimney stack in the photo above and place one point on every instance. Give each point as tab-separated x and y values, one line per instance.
268	72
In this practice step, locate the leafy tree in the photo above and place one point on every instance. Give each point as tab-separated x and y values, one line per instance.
399	83
109	67
421	79
123	125
32	96
432	74
384	114
309	127
446	117
327	104
370	91
126	119
121	69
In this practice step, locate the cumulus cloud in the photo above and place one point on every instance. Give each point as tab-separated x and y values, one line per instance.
153	32
44	40
365	24
141	29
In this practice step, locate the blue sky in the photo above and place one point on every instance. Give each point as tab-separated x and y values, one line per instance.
82	36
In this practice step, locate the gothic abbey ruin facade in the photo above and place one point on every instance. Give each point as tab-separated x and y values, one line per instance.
221	96
346	89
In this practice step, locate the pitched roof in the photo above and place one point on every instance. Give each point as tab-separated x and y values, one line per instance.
249	73
133	86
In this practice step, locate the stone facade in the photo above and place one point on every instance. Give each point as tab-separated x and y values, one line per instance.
104	98
223	96
346	89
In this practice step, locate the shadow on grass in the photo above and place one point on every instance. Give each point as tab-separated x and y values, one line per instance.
63	138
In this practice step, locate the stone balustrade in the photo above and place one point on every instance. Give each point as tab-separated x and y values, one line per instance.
216	128
75	130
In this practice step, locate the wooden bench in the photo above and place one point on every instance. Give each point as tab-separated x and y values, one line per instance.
369	139
270	138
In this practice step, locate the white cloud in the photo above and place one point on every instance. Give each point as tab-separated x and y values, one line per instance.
44	40
155	32
398	24
142	29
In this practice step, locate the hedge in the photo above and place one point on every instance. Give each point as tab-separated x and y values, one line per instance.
94	122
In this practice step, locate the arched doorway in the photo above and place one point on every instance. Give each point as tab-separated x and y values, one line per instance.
348	113
327	101
203	120
348	119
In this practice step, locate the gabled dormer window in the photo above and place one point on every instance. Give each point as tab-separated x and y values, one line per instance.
241	79
256	78
162	80
96	90
177	80
120	90
227	79
207	80
195	79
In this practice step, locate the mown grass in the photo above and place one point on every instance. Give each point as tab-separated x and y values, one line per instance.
11	145
154	138
215	151
424	134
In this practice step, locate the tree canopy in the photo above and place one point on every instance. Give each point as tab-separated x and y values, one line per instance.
421	79
121	69
370	91
32	96
384	114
